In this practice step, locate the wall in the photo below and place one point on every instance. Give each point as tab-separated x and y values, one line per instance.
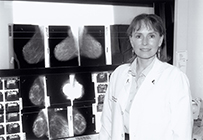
81	14
195	47
188	37
5	19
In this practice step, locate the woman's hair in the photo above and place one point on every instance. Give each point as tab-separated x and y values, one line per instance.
151	21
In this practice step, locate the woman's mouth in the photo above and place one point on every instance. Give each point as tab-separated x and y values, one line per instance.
145	49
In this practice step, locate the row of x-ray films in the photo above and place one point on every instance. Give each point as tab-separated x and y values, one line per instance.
57	46
101	81
10	109
52	106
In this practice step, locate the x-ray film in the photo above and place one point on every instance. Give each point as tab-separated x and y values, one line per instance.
92	45
28	44
33	92
63	47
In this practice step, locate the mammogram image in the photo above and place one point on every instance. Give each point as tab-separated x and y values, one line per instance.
32	92
36	93
92	45
63	47
55	124
33	51
28	44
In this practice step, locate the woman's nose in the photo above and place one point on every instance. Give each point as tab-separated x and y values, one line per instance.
144	41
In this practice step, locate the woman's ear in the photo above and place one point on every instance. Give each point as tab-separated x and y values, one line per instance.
130	38
161	40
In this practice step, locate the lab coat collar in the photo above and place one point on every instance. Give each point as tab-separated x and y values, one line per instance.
157	69
133	67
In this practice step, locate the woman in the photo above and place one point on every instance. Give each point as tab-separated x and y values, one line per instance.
147	99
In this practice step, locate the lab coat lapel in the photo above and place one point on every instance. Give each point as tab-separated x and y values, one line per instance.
146	86
154	73
124	93
122	96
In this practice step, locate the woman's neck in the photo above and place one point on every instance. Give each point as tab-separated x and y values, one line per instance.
142	64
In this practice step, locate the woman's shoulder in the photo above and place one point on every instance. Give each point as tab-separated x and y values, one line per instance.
173	70
171	67
122	67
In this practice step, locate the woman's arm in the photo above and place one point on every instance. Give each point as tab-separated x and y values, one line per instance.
181	110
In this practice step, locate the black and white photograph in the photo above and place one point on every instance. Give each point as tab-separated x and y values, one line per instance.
101	70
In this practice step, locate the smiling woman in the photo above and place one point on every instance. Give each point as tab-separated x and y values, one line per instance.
146	42
147	86
146	35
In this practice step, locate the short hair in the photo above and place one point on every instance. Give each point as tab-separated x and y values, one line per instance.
151	21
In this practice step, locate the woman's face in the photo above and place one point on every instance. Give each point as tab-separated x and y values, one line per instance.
145	42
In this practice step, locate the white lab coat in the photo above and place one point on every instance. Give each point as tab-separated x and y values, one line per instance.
161	109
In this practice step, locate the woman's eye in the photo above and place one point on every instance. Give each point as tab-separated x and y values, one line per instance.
152	36
137	36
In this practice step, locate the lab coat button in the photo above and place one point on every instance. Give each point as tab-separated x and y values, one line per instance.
122	112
